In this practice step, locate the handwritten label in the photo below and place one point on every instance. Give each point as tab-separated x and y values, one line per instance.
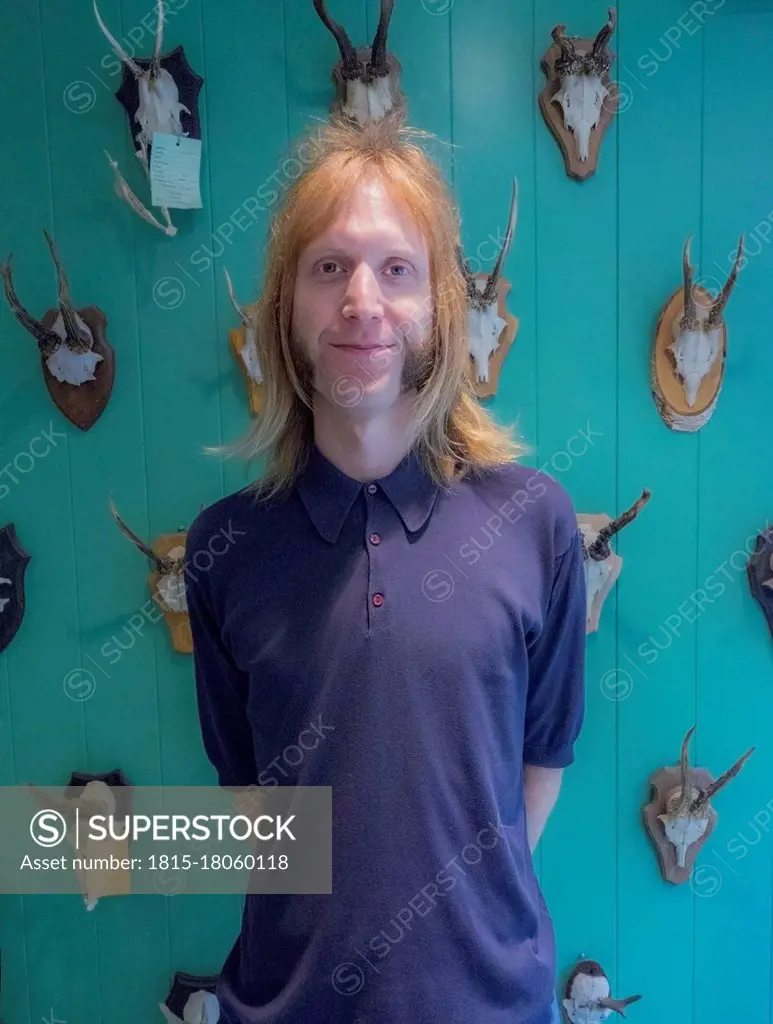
175	171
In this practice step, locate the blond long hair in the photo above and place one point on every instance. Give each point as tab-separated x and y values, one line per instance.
453	434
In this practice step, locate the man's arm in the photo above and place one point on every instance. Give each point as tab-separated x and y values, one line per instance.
555	703
540	792
221	687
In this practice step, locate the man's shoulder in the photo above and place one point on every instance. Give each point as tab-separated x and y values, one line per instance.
533	498
227	519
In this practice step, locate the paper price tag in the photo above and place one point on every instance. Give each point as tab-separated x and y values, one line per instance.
175	171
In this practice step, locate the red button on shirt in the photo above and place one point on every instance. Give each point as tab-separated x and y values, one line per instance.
375	538
378	600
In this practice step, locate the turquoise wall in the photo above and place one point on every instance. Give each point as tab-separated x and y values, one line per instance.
591	266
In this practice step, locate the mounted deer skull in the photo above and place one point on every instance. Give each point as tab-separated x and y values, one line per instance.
688	366
192	999
587	995
490	328
759	571
155	93
578	82
72	346
602	565
680	817
367	80
244	344
107	795
167	583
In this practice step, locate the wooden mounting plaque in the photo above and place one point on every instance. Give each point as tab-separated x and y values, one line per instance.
83	404
236	338
488	388
554	115
666	387
663	782
178	622
596	521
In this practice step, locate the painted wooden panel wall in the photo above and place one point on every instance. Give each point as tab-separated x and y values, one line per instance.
85	686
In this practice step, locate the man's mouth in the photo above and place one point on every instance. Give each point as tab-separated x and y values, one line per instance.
363	348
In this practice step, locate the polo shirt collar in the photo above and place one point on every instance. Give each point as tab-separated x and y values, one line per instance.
328	494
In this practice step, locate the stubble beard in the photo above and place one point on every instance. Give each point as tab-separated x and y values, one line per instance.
416	369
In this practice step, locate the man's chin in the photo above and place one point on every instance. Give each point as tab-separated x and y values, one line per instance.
358	391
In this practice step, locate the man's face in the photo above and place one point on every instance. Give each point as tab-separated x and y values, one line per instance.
363	306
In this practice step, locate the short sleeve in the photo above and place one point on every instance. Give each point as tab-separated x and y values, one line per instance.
221	692
555	703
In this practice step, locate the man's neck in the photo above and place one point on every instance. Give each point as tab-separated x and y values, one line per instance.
365	447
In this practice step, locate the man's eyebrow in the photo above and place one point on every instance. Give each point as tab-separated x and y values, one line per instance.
398	249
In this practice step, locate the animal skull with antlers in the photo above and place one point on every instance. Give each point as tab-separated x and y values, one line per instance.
698	332
588	997
67	345
367	79
484	324
249	351
158	107
687	811
602	565
170	587
583	94
201	1007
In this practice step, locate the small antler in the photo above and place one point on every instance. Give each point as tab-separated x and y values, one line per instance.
689	321
135	69
350	66
618	1005
125	192
377	66
155	61
48	341
715	313
567	45
489	292
605	33
239	309
600	549
77	337
702	800
685	786
466	273
164	565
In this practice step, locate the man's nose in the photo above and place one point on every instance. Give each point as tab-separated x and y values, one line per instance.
363	296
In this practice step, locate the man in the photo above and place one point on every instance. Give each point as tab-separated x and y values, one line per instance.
401	617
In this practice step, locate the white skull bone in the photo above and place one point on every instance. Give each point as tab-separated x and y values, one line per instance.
682	830
484	328
582	100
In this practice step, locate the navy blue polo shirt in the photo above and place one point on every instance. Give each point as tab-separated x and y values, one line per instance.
412	647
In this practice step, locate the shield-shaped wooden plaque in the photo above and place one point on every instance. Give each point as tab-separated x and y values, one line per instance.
183	987
13	563
664	782
759	571
178	622
83	404
488	388
554	115
95	882
188	84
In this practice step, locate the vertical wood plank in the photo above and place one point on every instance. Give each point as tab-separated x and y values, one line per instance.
486	161
576	422
48	728
655	667
733	878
